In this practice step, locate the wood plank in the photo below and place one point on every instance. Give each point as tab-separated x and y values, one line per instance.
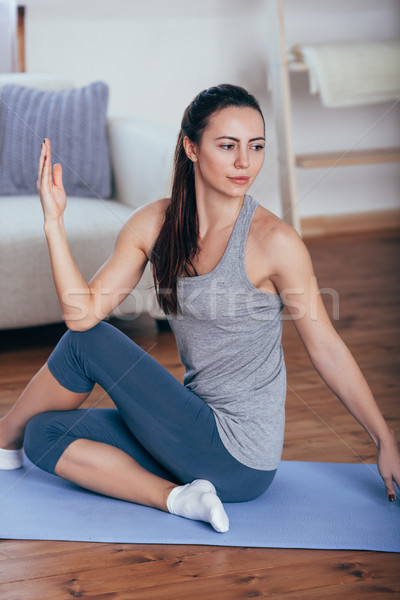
363	591
345	158
192	558
15	549
181	576
353	223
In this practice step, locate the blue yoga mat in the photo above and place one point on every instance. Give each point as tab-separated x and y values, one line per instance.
309	505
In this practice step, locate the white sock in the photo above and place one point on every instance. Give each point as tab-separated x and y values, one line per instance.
199	501
11	459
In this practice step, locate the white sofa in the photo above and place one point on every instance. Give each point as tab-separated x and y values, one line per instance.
141	157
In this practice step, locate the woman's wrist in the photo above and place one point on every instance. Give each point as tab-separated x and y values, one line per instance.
53	224
386	438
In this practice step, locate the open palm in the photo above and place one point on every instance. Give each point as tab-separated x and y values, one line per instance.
50	186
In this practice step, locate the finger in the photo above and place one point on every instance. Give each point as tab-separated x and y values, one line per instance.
396	479
46	176
47	165
390	489
41	162
57	174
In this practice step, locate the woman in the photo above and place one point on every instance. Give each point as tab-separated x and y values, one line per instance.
224	268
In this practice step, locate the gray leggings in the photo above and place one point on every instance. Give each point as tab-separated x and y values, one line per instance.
160	423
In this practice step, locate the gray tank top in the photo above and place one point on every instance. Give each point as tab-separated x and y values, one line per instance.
229	340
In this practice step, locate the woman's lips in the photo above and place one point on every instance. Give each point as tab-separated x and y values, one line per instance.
240	180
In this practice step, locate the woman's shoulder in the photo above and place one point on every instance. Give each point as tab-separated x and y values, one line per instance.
146	221
278	241
272	231
153	211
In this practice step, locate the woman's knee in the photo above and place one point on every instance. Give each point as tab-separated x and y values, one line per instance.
68	362
88	336
97	341
99	333
45	440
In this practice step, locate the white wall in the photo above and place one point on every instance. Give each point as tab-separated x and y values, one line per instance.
157	54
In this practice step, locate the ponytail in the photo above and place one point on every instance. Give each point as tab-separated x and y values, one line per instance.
177	242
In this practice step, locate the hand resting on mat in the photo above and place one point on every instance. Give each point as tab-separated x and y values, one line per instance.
389	464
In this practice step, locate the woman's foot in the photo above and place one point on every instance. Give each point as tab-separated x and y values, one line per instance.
11	459
199	501
11	454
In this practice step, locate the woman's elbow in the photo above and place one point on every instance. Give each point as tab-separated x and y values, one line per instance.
83	316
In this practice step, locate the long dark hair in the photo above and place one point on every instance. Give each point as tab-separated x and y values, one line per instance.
177	243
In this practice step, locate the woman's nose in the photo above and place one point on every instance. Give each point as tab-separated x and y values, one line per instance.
242	159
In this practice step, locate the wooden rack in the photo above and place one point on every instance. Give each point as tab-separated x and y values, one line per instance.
280	64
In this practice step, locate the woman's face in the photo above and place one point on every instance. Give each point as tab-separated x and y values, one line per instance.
230	153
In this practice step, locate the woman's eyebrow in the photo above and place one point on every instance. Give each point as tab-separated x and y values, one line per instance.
229	137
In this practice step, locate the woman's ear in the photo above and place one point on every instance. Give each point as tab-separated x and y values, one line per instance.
190	149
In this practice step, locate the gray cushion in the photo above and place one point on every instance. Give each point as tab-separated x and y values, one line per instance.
73	119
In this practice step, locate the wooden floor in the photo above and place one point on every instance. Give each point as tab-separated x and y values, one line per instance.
364	272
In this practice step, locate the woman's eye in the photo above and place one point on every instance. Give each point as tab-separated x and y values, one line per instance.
258	147
227	146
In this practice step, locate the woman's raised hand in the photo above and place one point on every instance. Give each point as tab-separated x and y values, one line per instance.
50	186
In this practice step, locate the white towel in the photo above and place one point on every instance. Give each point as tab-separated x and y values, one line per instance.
349	74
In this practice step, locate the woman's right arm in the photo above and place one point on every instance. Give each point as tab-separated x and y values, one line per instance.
85	304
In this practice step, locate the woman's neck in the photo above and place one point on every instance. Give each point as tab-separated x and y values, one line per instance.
217	212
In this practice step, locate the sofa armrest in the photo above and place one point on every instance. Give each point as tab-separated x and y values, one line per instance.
142	158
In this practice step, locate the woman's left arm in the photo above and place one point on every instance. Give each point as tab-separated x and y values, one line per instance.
296	282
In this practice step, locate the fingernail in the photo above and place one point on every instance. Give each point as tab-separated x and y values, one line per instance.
391	498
